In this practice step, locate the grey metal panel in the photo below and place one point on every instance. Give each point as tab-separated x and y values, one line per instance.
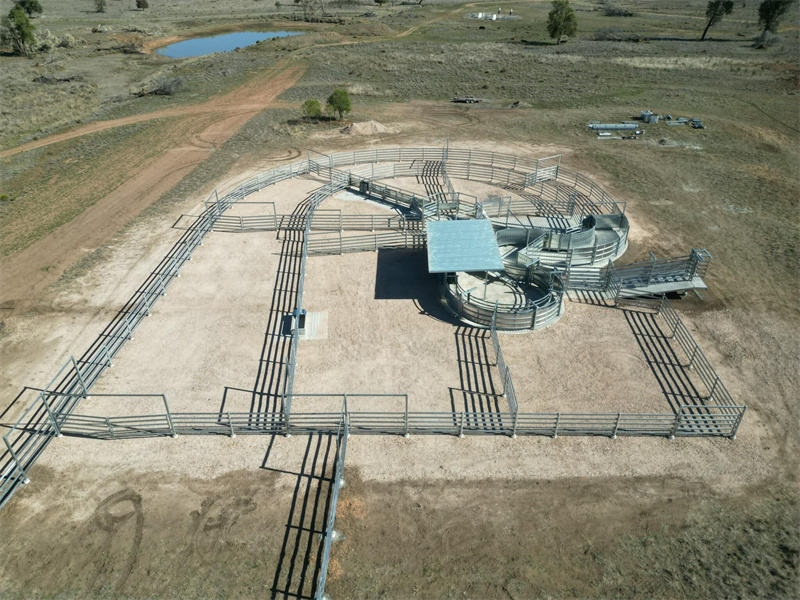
465	245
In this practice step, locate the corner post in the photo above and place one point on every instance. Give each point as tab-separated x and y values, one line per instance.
738	422
677	424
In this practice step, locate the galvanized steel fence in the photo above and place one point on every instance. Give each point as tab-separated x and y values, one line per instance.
31	433
29	436
338	480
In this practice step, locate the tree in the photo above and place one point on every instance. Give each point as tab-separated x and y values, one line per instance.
381	2
142	4
30	7
312	109
339	102
715	10
100	5
770	13
278	5
16	29
561	20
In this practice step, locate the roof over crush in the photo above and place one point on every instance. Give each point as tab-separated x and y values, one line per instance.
462	245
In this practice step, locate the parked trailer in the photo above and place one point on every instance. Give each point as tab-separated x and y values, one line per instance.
613	126
465	99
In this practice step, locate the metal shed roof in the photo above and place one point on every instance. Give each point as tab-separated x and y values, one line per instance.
465	245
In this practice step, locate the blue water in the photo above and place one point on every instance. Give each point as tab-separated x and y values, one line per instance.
220	43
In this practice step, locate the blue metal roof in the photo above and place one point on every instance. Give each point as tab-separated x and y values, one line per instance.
462	245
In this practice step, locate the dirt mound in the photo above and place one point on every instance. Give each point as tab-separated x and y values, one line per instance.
366	128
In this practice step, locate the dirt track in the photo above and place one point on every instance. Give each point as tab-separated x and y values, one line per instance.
205	127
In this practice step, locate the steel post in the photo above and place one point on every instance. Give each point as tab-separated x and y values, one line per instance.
173	433
50	415
713	389
80	377
129	328
230	424
107	352
25	478
405	418
146	304
675	427
558	422
738	422
694	354
616	426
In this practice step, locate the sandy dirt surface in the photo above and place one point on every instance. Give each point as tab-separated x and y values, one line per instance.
26	274
590	361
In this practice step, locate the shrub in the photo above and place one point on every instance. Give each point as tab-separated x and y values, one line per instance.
610	10
765	39
142	4
100	6
312	109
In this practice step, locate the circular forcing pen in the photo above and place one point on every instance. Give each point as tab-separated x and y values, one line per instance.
503	256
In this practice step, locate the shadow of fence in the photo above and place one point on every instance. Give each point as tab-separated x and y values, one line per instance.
300	562
663	360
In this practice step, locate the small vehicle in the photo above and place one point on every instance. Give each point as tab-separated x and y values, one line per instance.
465	99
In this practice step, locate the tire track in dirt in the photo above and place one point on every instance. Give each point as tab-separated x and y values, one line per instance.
249	97
23	276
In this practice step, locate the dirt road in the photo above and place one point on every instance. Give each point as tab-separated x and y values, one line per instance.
205	127
254	96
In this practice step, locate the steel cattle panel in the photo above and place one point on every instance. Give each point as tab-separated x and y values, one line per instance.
464	245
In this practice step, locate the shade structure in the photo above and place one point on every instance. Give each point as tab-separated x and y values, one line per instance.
465	245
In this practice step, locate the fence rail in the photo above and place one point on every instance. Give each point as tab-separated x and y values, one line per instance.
338	480
691	420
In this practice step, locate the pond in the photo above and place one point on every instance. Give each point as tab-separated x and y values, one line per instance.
220	43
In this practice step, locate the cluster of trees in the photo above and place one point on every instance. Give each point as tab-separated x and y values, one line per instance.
770	13
561	21
16	29
338	103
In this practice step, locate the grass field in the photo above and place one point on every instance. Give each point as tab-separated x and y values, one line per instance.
445	529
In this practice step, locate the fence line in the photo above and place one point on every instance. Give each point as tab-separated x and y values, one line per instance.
338	481
30	435
690	420
32	432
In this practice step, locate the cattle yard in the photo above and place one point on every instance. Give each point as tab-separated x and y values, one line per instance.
559	338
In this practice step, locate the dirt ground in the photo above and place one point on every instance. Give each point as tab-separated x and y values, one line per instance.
48	258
